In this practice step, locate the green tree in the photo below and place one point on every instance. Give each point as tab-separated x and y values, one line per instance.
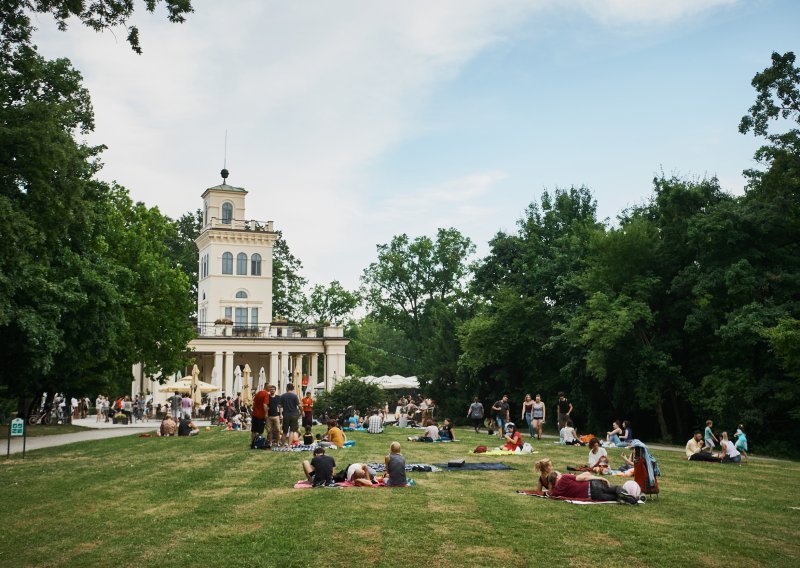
287	282
329	304
351	392
183	250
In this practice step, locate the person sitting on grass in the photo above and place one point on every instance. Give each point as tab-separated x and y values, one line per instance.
512	438
187	428
627	435
612	437
431	433
598	457
319	471
375	423
543	467
587	486
447	433
334	437
696	450
395	467
729	453
741	441
168	426
569	436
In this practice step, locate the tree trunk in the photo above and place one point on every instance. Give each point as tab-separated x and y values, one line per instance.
662	424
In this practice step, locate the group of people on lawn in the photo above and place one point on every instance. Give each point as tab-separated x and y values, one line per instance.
701	446
320	471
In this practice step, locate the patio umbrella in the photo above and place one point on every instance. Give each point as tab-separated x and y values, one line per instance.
237	379
196	395
185	386
247	395
262	379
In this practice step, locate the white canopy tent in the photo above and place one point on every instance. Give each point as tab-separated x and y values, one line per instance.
387	382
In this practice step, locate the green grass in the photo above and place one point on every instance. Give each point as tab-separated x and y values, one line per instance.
209	501
38	430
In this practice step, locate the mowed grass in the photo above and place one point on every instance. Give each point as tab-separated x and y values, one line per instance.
38	430
210	501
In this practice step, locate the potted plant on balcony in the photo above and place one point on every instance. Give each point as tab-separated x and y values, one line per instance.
225	324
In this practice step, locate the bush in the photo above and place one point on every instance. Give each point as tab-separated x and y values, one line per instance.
351	392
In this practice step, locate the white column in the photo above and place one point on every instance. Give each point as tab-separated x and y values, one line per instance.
218	367
228	376
273	369
340	366
284	370
330	367
297	370
312	371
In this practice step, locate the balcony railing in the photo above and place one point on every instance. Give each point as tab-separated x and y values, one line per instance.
240	224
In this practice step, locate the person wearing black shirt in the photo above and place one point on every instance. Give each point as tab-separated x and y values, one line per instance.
564	410
501	413
273	417
187	428
319	470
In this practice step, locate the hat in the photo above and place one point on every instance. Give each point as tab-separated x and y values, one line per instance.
510	425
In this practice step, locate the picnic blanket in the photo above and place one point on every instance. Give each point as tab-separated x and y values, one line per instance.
305	484
294	448
488	466
503	453
419	467
574	501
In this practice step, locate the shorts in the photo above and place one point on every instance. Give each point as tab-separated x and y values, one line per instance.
258	425
274	426
290	423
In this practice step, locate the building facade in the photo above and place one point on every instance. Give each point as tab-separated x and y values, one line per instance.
236	326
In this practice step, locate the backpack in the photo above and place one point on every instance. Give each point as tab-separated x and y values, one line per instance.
261	443
480	450
640	473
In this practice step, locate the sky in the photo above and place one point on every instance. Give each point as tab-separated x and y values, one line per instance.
350	122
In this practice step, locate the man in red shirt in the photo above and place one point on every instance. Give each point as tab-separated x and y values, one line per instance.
307	404
259	419
587	486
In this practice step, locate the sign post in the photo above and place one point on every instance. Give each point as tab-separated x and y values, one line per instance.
16	429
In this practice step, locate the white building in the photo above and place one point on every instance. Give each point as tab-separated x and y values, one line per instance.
235	325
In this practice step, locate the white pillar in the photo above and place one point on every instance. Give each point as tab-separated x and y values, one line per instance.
227	381
273	369
340	366
284	371
330	367
297	370
218	367
312	371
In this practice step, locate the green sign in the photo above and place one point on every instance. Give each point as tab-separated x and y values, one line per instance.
17	427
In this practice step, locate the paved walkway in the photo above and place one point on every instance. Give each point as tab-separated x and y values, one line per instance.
97	431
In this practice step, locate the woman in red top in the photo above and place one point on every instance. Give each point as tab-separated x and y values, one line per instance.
513	438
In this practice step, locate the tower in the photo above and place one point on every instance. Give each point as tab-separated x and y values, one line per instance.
235	263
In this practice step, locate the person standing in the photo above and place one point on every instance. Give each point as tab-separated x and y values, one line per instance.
273	416
501	414
307	404
186	406
175	405
475	413
538	416
259	419
98	404
290	409
527	413
564	410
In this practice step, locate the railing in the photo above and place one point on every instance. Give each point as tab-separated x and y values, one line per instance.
240	224
265	330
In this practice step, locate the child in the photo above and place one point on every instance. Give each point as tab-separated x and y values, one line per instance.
741	441
308	439
708	436
395	466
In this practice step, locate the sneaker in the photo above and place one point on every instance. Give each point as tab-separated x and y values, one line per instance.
627	498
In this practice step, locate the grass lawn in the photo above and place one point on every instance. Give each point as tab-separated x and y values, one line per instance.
210	501
41	430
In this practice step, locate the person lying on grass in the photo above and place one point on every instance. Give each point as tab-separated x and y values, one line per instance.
319	471
512	438
359	474
587	486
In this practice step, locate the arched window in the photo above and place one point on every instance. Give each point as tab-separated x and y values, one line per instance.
241	264
241	294
227	263
227	213
255	265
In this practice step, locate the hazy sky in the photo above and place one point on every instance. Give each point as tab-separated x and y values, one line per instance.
353	121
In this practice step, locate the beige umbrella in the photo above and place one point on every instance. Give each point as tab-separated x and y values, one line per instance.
247	394
185	386
196	395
